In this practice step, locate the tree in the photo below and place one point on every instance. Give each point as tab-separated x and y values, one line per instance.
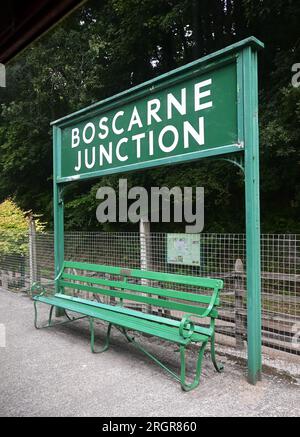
109	46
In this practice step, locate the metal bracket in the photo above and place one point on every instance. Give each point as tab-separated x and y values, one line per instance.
238	161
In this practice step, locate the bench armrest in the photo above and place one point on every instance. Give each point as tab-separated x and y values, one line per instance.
211	304
186	327
40	288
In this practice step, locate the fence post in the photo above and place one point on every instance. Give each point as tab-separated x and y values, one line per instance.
32	250
145	251
239	292
22	271
4	279
145	244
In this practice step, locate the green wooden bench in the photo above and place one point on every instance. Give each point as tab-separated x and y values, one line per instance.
127	292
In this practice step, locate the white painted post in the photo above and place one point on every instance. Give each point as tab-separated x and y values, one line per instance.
32	250
145	252
145	244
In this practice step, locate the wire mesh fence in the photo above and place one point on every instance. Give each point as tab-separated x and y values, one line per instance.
13	259
220	256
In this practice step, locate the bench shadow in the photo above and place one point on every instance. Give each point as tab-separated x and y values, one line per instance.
166	352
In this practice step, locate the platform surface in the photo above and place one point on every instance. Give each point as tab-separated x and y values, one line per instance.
52	372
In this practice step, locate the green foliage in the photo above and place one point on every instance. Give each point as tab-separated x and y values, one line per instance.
14	229
108	46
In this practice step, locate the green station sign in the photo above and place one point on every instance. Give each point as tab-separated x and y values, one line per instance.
177	117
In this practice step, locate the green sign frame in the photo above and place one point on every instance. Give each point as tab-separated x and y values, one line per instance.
174	118
207	108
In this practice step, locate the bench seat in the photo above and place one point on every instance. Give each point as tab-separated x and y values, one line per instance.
132	320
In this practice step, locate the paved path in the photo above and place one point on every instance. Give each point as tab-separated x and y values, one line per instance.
52	372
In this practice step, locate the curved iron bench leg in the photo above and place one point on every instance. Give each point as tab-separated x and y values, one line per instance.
182	379
49	324
219	367
50	315
36	316
69	317
106	344
147	353
128	337
185	386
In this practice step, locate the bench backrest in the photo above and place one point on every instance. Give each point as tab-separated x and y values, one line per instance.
143	286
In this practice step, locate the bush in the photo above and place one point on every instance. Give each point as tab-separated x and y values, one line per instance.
14	229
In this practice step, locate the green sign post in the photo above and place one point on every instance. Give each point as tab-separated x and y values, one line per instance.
208	108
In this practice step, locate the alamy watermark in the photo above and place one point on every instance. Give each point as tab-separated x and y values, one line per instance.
155	207
296	76
2	76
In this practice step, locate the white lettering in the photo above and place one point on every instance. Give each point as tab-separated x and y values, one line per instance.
86	127
75	137
114	128
107	154
103	126
189	130
138	138
92	163
201	94
153	107
135	119
120	157
78	166
173	102
172	129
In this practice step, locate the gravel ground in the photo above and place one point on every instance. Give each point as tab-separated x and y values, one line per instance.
52	372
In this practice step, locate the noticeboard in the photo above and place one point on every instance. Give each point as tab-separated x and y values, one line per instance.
183	249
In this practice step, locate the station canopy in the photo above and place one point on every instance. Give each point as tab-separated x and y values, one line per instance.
21	22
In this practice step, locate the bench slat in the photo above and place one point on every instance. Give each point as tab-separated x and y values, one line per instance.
138	314
129	322
175	294
143	299
147	274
